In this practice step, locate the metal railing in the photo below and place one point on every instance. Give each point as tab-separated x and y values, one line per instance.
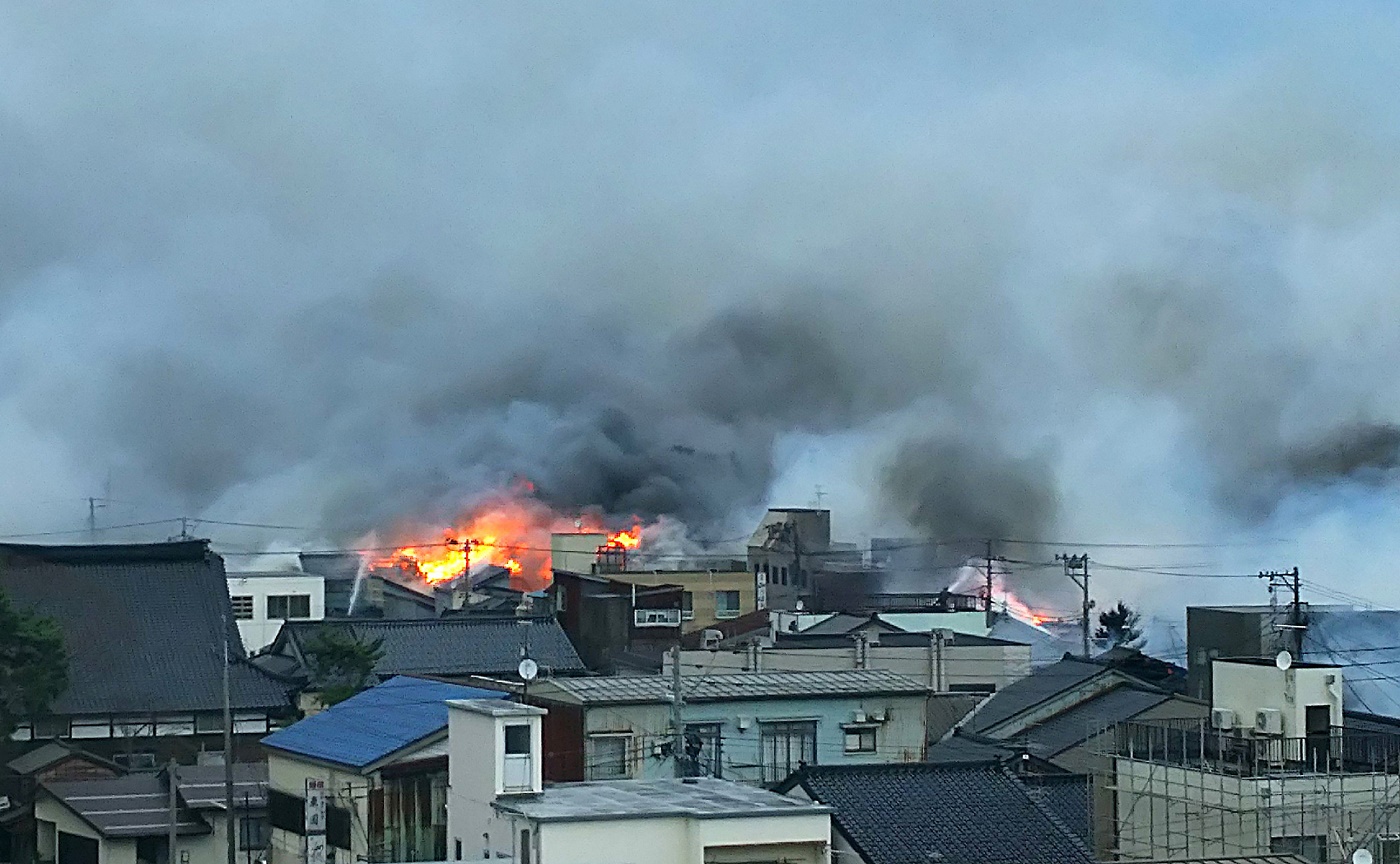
1196	744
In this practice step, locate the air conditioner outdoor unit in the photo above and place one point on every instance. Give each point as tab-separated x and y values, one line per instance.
710	639
858	717
1268	721
1222	719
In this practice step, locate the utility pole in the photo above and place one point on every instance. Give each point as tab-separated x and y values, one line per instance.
94	504
1289	580
1077	569
677	703
174	796
991	559
230	829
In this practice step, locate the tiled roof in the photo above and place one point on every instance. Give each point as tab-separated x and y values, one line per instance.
637	689
1040	685
202	786
1068	728
808	639
965	814
1064	795
142	625
459	645
374	723
52	753
698	798
962	749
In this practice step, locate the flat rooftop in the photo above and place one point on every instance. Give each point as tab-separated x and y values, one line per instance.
697	798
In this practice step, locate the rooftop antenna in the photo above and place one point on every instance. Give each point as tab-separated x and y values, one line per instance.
820	494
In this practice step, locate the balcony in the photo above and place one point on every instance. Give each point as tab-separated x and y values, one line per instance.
1195	744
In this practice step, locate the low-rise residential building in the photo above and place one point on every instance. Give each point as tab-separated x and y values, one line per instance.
498	807
753	727
262	601
1277	768
944	660
382	755
127	819
607	619
145	627
707	596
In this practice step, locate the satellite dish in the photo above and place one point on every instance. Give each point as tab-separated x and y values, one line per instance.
1362	856
1284	661
529	669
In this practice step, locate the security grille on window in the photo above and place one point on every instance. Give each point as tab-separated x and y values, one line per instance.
726	604
860	739
607	757
242	607
657	617
703	748
285	607
786	746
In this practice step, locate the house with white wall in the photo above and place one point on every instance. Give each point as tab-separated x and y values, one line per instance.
262	601
498	806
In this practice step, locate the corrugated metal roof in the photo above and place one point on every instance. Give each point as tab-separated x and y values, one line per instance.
142	624
701	797
968	814
1035	688
137	805
374	723
736	686
1059	733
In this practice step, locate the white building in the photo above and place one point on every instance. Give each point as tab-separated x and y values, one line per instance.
262	601
498	807
1275	770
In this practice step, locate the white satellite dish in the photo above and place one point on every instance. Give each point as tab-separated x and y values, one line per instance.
529	669
1284	661
1362	856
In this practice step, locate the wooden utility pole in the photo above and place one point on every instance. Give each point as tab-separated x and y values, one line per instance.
677	703
1077	569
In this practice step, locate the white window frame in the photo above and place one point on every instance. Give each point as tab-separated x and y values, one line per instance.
656	617
771	766
288	598
628	754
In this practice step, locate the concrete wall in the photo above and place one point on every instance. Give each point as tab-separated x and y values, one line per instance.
798	839
475	772
702	585
259	631
1213	632
1166	811
1247	687
576	553
344	788
990	666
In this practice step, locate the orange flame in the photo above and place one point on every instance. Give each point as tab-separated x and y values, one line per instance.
509	528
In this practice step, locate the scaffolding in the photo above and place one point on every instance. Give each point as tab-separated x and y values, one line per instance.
1181	788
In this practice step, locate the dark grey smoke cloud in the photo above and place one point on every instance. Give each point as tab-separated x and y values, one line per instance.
1044	271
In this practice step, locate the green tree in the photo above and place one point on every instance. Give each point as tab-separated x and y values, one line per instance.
341	664
1119	627
33	665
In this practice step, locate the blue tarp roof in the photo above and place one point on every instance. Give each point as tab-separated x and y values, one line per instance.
376	722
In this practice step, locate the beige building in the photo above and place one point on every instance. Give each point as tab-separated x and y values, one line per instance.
498	807
709	596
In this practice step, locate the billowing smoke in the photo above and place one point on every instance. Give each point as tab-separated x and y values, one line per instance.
1044	275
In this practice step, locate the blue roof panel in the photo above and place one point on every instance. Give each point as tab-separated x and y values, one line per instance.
375	722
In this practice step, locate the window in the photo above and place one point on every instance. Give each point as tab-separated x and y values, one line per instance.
283	607
607	757
1387	850
782	574
253	832
860	739
657	617
525	846
51	727
457	848
703	749
785	747
1311	847
687	606
726	604
518	739
242	607
209	722
137	761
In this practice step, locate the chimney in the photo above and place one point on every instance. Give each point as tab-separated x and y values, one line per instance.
494	750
